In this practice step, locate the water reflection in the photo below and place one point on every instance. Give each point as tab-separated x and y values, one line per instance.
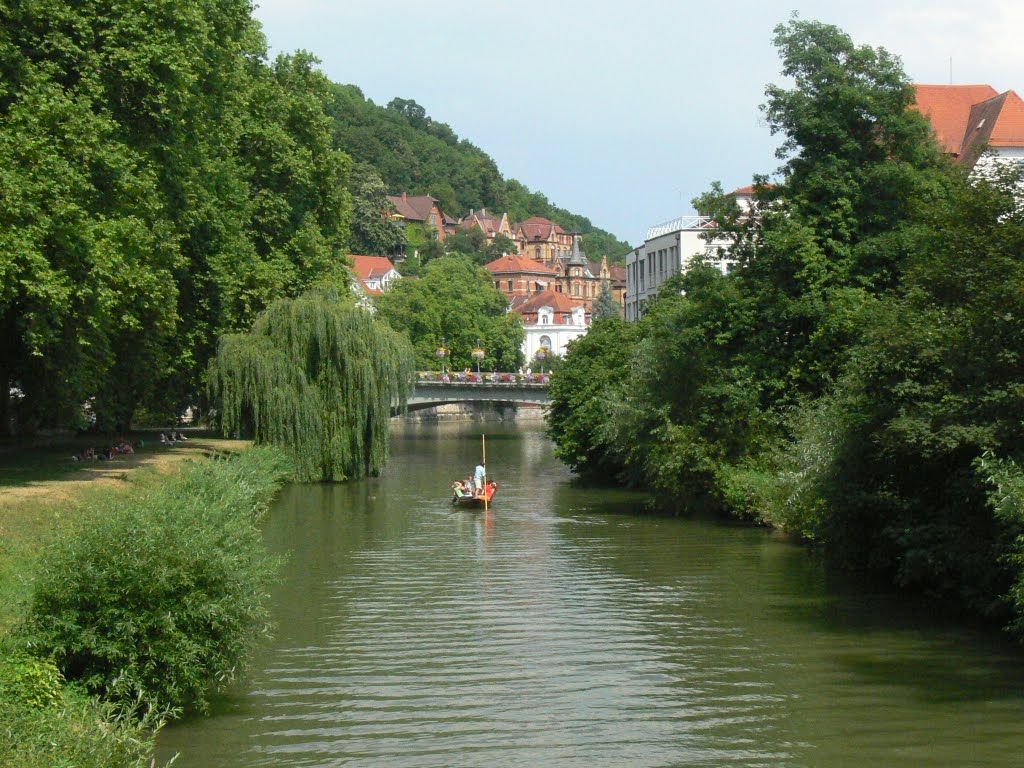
557	630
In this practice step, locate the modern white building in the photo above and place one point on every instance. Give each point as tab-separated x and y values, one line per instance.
671	248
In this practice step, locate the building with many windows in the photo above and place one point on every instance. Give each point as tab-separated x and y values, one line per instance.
543	240
519	277
570	274
669	249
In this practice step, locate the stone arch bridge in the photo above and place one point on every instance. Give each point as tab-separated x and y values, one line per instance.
509	389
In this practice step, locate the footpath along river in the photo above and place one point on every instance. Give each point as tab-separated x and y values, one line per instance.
565	629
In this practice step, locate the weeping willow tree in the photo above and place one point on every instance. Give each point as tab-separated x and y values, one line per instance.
316	375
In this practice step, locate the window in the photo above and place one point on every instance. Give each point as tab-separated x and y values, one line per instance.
433	219
510	286
545	341
536	252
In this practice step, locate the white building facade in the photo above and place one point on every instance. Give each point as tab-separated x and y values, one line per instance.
668	250
552	332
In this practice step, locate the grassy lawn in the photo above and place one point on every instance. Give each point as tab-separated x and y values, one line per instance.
40	487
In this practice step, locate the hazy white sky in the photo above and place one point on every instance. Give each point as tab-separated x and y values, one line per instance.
622	111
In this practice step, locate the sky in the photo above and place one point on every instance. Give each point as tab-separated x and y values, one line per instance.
622	111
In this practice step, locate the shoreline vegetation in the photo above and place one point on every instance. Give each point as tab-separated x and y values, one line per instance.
855	376
131	591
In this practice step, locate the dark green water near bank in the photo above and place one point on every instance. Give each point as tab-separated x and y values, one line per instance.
562	629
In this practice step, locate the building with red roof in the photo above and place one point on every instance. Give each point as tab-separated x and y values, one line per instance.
543	240
517	276
967	119
551	320
422	210
571	274
373	273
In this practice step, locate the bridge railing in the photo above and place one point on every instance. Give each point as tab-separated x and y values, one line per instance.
494	378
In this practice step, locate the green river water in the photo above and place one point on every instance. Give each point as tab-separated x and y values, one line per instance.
564	628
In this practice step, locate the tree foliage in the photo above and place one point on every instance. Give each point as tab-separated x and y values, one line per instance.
845	378
590	377
605	305
163	183
319	376
372	232
454	300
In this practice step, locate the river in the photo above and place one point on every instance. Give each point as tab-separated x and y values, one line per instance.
565	628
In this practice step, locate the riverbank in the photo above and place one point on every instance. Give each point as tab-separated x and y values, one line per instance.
41	487
141	579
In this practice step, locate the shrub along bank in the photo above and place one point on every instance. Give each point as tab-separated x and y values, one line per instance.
150	601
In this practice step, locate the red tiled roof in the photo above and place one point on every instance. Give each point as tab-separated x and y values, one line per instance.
1009	127
559	302
371	267
414	207
748	191
515	263
539	228
948	108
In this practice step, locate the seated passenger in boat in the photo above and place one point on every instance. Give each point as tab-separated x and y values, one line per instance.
459	489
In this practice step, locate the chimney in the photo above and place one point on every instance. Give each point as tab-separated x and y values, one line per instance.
405	197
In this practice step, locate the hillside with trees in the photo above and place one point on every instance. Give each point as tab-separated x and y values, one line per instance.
411	152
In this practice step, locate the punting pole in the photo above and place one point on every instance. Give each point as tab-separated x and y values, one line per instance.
483	439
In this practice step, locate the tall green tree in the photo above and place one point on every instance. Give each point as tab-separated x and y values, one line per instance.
373	232
165	183
934	385
590	378
454	300
605	305
86	251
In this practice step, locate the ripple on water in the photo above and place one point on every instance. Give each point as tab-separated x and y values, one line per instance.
544	634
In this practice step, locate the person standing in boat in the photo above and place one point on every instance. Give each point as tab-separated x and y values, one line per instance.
478	477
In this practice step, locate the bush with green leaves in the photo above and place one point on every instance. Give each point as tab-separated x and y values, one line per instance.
73	730
155	602
28	681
